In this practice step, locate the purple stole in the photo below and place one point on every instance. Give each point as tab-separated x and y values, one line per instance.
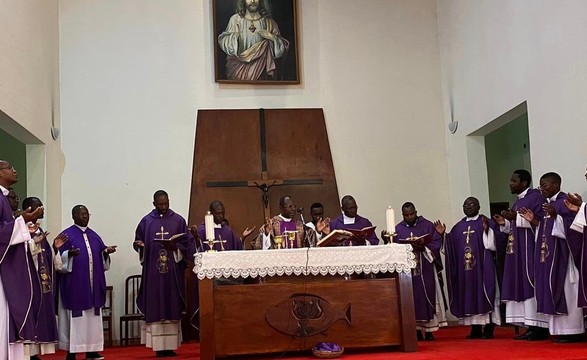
551	261
46	329
162	292
77	294
18	276
424	274
518	279
225	234
360	223
470	269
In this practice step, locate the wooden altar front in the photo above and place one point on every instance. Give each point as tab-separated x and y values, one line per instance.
293	310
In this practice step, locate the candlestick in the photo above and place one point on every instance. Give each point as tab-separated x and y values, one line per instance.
209	224
390	220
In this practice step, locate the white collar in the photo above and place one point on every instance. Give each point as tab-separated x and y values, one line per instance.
82	228
553	198
472	218
284	218
4	190
348	220
522	194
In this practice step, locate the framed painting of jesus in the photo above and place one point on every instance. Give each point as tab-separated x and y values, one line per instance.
255	41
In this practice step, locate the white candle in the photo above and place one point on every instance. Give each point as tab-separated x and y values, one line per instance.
390	220
209	224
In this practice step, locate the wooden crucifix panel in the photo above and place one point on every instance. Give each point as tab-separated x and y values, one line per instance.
248	159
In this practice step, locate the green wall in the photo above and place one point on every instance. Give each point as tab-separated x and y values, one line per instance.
506	149
14	152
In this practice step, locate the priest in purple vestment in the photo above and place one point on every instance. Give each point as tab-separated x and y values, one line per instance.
293	234
470	271
165	246
349	219
46	324
578	240
426	242
518	282
19	297
225	238
82	287
554	267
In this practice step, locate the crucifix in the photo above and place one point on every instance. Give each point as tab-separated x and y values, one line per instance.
264	184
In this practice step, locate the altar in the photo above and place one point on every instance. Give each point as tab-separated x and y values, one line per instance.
273	301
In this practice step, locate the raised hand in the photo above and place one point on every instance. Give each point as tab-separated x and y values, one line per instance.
485	224
527	214
500	220
509	214
29	216
570	206
248	231
440	227
574	199
59	241
267	227
323	225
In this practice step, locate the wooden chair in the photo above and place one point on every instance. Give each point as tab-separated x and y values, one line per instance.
131	313
107	317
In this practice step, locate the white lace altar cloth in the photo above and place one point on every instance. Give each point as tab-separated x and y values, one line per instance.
315	261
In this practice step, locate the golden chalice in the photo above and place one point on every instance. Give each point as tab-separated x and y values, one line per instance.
279	240
291	236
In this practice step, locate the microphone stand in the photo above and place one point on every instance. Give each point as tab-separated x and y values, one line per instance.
305	227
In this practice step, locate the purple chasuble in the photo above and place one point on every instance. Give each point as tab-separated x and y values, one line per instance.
551	261
162	292
280	227
77	293
224	233
425	272
518	279
360	223
579	241
21	286
46	329
470	269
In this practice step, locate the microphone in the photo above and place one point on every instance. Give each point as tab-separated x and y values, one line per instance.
301	212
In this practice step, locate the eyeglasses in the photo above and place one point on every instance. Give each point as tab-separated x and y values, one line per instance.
7	168
15	197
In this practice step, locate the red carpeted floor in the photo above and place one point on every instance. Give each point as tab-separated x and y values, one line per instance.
450	344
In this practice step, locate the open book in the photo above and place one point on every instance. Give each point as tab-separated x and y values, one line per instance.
176	236
338	237
335	238
424	239
363	233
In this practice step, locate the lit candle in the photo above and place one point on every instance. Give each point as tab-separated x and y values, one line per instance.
390	219
209	223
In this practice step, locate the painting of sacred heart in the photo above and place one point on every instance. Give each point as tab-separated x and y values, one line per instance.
255	41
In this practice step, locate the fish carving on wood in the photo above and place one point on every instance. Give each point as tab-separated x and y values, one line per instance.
305	315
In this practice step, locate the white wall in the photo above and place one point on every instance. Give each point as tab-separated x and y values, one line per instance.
497	54
135	72
29	94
